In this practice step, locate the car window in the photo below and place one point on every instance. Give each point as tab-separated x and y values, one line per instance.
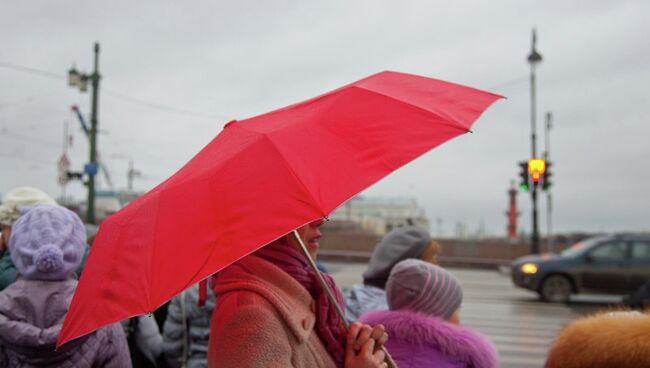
641	251
579	247
614	251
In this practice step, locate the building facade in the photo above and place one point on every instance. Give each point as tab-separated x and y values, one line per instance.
379	215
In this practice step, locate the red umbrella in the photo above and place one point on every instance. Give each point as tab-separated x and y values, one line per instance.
259	179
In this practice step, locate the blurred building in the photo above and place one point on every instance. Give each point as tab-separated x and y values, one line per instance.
107	202
379	215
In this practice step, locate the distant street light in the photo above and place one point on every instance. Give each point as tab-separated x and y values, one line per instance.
534	59
131	173
80	80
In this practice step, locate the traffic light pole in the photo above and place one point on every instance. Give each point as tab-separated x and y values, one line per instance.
90	214
534	246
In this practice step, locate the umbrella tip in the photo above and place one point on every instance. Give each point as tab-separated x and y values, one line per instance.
470	131
229	123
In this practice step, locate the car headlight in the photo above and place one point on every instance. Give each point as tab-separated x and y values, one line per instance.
528	268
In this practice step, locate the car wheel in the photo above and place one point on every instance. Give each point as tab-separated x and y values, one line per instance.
556	289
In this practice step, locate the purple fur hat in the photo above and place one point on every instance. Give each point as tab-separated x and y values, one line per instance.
47	243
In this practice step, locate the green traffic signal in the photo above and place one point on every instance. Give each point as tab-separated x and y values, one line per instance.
523	176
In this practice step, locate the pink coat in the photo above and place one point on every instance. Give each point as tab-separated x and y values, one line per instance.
263	318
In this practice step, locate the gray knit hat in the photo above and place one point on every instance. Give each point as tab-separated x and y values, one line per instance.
401	243
419	286
47	243
19	198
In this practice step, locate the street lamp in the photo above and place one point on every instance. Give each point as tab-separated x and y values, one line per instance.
74	78
534	59
80	80
131	173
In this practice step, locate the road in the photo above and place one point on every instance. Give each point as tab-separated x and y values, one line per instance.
515	320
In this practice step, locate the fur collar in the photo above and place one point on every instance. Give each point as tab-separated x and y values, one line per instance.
461	343
611	339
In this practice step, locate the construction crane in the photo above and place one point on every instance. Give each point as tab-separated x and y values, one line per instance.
102	165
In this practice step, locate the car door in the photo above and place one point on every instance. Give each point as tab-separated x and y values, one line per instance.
604	267
639	263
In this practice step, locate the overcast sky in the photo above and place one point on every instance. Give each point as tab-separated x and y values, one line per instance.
208	63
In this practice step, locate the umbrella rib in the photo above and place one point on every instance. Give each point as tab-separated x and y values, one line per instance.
294	174
446	119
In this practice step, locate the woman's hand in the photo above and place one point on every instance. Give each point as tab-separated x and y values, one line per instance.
364	346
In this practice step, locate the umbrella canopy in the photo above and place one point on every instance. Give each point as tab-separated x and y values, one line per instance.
257	180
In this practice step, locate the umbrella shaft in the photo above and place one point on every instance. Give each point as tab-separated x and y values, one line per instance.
389	360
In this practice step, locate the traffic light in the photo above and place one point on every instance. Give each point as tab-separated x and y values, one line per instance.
546	177
536	168
523	176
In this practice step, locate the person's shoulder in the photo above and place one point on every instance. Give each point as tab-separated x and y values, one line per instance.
436	335
235	310
16	288
240	299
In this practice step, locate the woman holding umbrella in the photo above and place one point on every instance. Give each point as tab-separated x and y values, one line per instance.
272	312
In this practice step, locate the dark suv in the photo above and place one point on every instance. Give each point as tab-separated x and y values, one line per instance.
615	264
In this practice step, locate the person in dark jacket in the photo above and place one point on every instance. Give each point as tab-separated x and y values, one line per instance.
187	329
47	245
402	243
424	320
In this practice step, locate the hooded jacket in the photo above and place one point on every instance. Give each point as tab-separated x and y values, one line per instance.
263	318
31	316
614	339
187	329
419	341
361	298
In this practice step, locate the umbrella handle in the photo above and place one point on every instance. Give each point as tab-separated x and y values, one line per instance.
388	359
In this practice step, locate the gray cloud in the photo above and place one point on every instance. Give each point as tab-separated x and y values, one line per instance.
238	59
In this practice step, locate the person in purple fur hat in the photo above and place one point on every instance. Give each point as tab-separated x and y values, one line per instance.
424	320
47	244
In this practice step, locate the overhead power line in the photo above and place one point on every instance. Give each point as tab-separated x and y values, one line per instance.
149	104
22	158
162	107
25	69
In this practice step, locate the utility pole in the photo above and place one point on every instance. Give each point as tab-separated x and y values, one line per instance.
76	79
534	58
549	203
90	216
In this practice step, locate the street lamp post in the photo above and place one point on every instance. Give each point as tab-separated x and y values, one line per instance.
534	59
80	80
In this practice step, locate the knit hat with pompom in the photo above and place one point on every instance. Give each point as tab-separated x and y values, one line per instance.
47	243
